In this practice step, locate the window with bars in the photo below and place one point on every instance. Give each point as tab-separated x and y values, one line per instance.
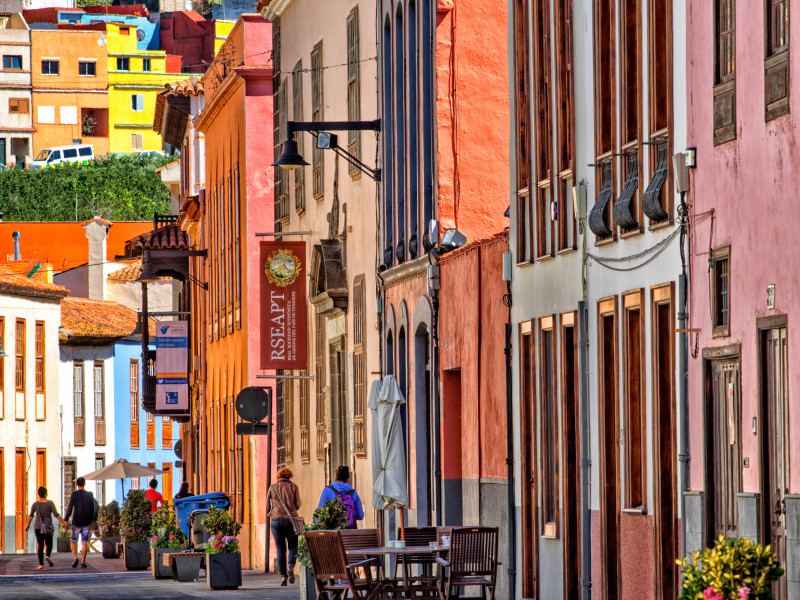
353	88
99	404
359	368
134	402
549	426
78	403
724	71
297	112
100	484
522	99
317	161
19	362
720	293
305	409
40	375
776	64
320	335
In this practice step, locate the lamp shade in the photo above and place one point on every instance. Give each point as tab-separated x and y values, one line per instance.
147	275
290	158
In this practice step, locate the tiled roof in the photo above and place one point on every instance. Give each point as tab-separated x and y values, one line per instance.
99	220
168	237
24	267
18	285
130	273
88	320
168	165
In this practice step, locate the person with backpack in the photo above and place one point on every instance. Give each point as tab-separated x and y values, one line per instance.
342	490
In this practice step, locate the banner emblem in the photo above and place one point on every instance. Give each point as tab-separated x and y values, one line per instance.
282	268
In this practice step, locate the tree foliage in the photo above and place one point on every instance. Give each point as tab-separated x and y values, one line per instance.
115	188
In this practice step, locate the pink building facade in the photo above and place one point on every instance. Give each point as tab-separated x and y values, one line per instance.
744	470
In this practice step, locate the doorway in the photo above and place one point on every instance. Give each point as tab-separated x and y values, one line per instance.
571	431
424	421
529	472
20	498
339	414
723	443
664	472
774	467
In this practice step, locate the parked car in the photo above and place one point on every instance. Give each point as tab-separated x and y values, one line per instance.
49	157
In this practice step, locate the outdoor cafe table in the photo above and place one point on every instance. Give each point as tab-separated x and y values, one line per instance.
401	552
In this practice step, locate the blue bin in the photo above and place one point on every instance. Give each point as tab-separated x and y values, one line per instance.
185	506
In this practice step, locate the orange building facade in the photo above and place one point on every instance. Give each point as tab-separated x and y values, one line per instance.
70	88
224	218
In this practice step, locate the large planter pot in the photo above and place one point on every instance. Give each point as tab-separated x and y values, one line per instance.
308	588
137	555
62	545
224	571
157	563
110	546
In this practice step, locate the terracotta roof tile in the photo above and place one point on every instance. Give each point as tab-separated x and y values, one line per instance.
19	285
130	272
24	267
85	319
168	237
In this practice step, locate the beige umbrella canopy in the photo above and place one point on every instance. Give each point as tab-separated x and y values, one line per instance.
122	469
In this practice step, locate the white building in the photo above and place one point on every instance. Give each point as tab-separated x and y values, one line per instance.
15	88
30	315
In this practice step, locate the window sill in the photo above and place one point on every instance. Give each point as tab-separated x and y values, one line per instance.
550	531
524	263
631	234
566	251
545	258
661	225
721	332
640	511
606	241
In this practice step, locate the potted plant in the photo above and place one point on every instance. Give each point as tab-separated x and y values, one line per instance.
331	515
223	560
166	537
135	525
108	525
731	570
62	541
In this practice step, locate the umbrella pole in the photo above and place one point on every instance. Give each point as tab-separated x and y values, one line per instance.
402	524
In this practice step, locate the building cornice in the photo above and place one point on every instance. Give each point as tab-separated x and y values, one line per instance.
417	266
272	9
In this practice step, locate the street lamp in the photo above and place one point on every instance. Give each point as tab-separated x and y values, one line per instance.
290	158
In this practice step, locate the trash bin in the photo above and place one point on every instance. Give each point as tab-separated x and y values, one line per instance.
186	506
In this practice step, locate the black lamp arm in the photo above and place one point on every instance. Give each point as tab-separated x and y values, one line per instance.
292	126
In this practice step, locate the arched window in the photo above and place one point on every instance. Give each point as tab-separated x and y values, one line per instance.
388	154
401	157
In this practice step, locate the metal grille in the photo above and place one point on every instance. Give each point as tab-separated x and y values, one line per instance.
598	216
319	382
305	437
317	163
726	40
353	87
359	368
721	281
297	112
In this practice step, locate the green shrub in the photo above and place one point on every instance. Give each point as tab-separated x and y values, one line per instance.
731	570
135	519
166	529
223	530
108	519
331	515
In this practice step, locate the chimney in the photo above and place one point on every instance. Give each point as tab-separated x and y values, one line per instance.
15	235
96	232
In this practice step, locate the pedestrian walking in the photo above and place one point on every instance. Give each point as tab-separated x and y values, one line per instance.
44	510
184	491
284	499
154	496
348	496
83	509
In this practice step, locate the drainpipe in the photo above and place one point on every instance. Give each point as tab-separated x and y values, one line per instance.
436	397
683	388
512	517
585	421
15	235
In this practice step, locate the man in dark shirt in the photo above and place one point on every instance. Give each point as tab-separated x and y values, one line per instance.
83	509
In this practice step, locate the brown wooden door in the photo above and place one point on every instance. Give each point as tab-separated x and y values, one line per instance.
41	468
530	536
775	449
20	498
166	489
723	432
571	432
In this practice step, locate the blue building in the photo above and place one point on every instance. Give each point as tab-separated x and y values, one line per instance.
146	31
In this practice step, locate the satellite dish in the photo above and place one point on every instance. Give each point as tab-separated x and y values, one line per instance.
178	449
252	403
140	34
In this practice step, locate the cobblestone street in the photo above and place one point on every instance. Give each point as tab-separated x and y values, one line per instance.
105	580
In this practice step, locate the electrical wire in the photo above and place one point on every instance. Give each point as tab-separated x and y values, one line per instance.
655	250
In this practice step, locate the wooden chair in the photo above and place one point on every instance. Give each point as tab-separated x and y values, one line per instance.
353	539
334	575
471	561
424	583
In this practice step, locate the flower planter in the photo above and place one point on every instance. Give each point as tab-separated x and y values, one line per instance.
62	545
308	587
110	546
137	555
224	571
157	562
187	568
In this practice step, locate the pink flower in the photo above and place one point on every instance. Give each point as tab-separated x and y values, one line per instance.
709	592
744	592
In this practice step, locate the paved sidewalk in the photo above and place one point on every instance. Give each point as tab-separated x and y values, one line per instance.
106	579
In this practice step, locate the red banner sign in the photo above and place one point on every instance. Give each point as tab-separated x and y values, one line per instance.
283	311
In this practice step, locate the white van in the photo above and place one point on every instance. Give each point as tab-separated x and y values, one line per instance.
78	153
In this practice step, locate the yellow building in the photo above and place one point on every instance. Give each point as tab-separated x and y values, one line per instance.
134	78
221	31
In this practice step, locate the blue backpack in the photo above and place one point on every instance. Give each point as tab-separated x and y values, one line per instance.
349	502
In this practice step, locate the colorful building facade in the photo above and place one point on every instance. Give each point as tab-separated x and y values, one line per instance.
16	125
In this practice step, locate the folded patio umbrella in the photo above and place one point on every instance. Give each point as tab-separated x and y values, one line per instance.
122	469
390	483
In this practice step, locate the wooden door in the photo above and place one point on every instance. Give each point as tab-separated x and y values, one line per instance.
664	454
41	468
166	490
20	498
570	415
2	502
774	466
529	479
723	454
